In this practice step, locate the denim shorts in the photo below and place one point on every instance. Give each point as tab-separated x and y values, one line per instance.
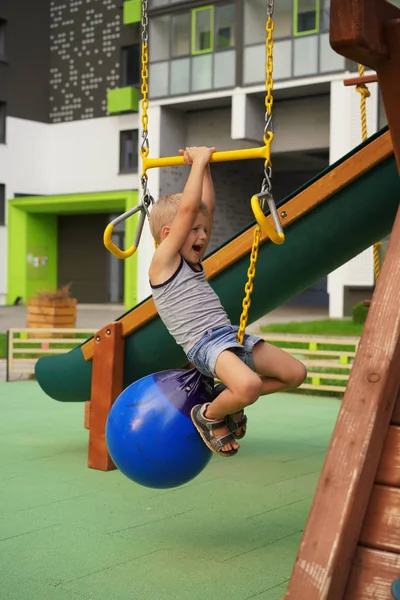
205	352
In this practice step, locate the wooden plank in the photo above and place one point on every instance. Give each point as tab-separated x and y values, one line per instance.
357	30
278	337
335	520
57	302
50	330
330	364
31	361
40	351
321	190
365	79
51	310
47	340
389	80
396	412
372	575
107	384
86	416
306	352
329	376
389	466
323	388
381	528
56	320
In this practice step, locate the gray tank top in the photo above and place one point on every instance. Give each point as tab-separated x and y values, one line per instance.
188	305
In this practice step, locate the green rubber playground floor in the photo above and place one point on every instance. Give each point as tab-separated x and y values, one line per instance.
68	532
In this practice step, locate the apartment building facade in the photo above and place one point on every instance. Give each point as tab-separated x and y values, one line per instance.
70	129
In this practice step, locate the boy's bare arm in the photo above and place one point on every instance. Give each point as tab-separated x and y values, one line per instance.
188	206
208	196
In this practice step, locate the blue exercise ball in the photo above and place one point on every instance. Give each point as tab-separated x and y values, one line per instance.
149	433
396	589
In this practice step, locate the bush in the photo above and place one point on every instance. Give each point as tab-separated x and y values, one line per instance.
359	313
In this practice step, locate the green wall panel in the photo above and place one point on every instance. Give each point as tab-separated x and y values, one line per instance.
32	239
132	12
17	267
41	254
124	99
32	254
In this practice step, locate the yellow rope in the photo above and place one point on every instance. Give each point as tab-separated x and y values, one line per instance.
365	93
268	135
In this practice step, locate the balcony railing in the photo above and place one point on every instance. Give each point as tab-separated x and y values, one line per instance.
193	74
293	57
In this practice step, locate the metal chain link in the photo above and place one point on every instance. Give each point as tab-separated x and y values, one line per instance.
147	199
251	273
144	150
266	184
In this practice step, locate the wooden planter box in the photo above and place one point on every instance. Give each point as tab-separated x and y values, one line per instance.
43	313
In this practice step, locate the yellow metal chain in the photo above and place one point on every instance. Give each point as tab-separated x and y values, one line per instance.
248	288
365	93
269	82
268	136
144	149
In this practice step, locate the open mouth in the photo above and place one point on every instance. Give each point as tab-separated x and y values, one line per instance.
197	249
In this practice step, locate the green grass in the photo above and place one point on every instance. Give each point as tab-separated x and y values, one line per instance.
3	345
321	327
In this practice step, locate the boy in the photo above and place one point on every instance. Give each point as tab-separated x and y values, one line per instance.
192	312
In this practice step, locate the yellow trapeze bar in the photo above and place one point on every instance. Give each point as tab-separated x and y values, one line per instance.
109	244
275	235
243	154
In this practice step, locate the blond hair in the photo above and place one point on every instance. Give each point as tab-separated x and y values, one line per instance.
163	213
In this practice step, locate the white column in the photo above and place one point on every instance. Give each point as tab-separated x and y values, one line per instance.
345	134
247	117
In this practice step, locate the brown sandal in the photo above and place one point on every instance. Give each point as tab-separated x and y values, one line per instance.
230	420
205	428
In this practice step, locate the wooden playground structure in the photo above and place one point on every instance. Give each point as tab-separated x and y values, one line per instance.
351	544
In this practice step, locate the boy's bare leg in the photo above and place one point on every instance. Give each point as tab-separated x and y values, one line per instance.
278	370
243	388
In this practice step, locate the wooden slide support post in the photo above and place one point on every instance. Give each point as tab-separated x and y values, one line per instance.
334	524
107	384
368	32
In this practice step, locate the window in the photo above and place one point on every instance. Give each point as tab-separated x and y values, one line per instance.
193	50
181	34
131	65
306	16
2	204
325	15
202	29
225	26
2	122
3	26
159	36
128	151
